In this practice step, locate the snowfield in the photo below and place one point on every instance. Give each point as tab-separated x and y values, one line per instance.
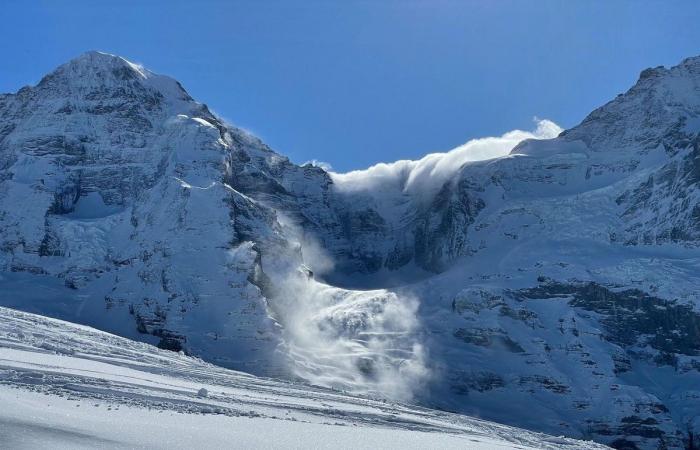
69	386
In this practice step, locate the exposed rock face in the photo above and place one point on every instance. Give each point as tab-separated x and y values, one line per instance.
114	185
556	288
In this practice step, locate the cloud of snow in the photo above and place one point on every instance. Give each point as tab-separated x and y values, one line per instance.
429	173
359	341
322	164
315	257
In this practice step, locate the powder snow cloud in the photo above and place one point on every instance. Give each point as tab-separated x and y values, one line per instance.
431	171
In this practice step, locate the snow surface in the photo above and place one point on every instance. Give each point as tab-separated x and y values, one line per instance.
65	386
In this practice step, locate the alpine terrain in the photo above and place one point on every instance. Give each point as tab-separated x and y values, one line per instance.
556	288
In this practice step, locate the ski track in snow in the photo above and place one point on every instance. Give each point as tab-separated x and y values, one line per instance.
69	386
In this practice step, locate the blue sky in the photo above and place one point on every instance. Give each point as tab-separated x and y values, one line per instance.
358	82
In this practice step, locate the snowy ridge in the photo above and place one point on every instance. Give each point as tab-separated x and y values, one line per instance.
68	386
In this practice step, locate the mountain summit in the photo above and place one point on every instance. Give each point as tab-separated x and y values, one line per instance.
555	288
101	71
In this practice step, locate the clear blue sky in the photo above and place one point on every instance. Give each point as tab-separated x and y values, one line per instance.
358	82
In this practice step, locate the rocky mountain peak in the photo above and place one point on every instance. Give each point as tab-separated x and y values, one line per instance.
663	102
97	61
94	69
102	77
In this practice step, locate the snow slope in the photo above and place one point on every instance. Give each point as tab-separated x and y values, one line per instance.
69	386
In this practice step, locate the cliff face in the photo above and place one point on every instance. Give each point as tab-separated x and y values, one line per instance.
113	192
555	288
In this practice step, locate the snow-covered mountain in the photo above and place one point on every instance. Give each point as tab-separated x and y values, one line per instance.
555	288
69	386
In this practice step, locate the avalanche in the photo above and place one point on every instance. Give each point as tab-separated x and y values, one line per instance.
552	285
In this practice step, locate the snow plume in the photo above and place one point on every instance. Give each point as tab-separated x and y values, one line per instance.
316	163
360	341
315	257
311	251
429	173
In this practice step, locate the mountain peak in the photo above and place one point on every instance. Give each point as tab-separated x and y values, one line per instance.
96	59
662	100
689	68
691	62
96	71
97	66
96	55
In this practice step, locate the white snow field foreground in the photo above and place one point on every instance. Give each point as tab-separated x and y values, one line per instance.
69	386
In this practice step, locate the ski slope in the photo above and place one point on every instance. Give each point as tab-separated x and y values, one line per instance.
69	386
